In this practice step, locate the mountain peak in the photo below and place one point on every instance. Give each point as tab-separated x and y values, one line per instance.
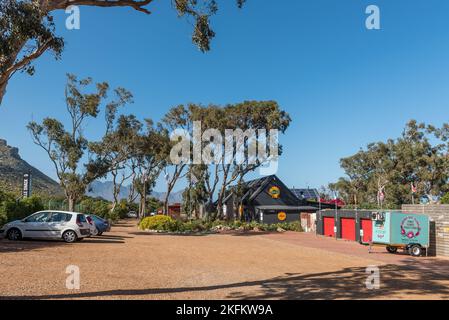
12	168
6	150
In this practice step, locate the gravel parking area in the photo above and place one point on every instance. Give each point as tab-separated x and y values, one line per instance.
129	264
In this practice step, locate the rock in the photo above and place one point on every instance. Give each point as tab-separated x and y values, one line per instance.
221	228
280	230
13	167
257	229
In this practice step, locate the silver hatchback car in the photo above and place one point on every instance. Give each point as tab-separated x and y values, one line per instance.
68	226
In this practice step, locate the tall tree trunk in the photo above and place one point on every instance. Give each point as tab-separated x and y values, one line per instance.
167	196
115	192
71	202
222	192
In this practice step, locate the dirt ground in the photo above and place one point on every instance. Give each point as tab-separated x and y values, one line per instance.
129	264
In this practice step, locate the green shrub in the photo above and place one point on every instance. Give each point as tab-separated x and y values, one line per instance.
445	199
4	196
3	219
158	223
16	210
167	224
98	207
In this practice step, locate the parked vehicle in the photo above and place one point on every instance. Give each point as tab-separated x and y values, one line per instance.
132	215
68	226
98	225
406	231
92	227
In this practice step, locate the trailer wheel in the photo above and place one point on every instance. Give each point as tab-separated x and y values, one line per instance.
416	250
392	249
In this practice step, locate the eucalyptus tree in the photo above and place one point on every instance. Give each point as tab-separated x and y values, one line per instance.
177	118
66	147
117	148
220	138
27	28
196	195
257	126
150	160
419	157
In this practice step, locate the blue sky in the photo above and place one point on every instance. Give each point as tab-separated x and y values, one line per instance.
344	86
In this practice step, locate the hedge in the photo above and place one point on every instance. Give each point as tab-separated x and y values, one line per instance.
167	224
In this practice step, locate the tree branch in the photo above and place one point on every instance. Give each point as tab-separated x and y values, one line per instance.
136	5
25	61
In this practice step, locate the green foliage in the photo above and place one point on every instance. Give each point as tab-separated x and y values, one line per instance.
99	207
445	199
24	22
167	224
66	147
124	207
418	157
157	223
214	180
27	29
15	210
3	219
4	196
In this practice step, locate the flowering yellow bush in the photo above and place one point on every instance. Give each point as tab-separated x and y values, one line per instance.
158	223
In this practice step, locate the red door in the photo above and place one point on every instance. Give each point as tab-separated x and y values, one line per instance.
367	227
348	229
329	224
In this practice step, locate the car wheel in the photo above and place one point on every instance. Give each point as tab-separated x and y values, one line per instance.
96	232
69	236
416	251
392	249
14	234
99	233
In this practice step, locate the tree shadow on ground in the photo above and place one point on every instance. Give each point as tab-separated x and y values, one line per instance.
108	236
418	279
7	246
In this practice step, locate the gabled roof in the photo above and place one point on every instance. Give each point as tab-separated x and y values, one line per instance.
255	187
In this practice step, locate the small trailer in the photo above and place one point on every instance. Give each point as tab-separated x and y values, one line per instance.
397	230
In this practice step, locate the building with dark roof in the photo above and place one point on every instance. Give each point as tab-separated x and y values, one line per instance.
307	194
266	200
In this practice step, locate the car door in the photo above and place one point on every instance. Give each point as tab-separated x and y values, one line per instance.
57	223
37	226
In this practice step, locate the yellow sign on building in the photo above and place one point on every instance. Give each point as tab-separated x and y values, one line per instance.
282	216
275	192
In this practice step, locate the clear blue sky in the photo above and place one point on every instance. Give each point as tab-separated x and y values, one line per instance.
343	85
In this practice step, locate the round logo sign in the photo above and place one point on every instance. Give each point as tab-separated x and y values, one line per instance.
275	192
282	216
410	227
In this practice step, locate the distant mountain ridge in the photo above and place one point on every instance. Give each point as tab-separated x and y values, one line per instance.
12	169
105	190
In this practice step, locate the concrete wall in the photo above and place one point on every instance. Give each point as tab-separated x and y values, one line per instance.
439	226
